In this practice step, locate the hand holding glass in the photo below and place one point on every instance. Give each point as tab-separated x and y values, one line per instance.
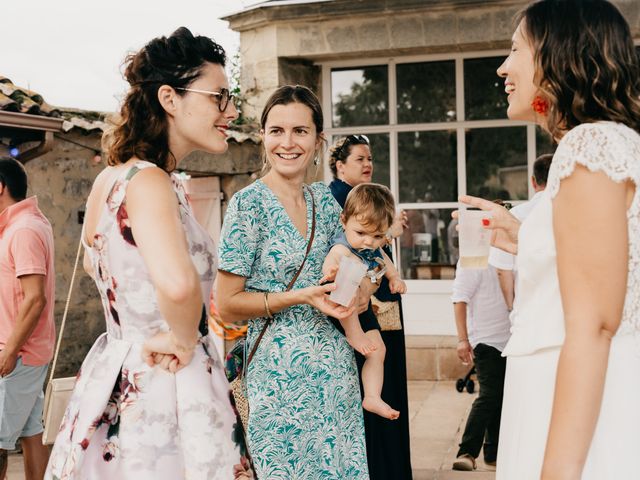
350	274
474	239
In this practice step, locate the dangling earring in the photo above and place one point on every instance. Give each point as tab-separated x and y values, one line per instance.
316	160
540	105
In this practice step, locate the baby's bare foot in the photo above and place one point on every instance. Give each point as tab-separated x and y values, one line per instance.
379	407
361	343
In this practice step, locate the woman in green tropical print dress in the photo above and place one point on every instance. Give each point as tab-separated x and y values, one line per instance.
305	418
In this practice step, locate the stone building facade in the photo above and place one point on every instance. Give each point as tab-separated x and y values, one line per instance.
418	77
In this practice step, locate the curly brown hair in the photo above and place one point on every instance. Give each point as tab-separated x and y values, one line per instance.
372	204
141	130
587	67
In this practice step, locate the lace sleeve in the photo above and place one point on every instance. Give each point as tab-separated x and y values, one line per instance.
611	148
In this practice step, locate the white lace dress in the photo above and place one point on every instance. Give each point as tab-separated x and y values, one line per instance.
538	324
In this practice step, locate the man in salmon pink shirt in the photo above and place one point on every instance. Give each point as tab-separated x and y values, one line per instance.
27	330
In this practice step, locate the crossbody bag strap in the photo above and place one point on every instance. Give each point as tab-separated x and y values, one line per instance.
66	309
295	277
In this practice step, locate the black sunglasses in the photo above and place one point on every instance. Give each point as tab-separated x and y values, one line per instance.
353	140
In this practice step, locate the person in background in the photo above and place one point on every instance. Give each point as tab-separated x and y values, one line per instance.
388	442
482	323
504	262
27	329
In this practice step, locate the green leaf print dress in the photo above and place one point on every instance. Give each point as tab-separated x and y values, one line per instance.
305	418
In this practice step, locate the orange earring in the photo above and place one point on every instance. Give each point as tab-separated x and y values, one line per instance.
540	105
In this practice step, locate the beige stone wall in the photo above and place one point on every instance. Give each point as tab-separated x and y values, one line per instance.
279	44
62	180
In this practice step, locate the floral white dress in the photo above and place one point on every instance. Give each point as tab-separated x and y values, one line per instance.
126	420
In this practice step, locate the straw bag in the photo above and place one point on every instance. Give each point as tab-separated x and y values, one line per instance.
388	314
238	385
58	390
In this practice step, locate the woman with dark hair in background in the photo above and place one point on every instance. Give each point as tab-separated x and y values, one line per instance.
151	401
570	407
388	442
305	416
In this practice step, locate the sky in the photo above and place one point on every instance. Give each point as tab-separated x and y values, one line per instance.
71	51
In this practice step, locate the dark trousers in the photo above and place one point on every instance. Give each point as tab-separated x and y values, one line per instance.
483	424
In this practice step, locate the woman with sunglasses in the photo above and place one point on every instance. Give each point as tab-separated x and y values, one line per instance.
151	400
388	446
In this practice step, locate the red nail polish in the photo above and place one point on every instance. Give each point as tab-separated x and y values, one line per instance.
485	222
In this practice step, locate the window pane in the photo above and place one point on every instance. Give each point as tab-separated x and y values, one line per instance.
380	155
497	163
426	92
360	96
429	245
427	166
484	96
544	142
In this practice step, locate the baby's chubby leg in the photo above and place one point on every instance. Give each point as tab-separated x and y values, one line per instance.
358	340
373	378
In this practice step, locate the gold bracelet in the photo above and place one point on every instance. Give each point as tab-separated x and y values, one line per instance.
266	305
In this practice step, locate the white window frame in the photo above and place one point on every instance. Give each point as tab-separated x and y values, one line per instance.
393	128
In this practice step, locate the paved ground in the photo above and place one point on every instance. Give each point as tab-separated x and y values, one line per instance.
438	413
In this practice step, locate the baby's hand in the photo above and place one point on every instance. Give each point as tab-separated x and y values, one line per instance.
397	285
328	274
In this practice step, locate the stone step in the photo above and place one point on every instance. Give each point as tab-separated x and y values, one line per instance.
431	474
433	357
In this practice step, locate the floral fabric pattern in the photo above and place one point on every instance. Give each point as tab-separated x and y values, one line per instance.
305	418
126	420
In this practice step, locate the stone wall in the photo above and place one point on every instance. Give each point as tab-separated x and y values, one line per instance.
62	179
279	44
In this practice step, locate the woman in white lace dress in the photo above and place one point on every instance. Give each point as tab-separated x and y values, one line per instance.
571	403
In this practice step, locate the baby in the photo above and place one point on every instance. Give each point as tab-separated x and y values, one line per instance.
368	213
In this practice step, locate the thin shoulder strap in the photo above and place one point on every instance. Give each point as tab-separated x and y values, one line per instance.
295	277
66	309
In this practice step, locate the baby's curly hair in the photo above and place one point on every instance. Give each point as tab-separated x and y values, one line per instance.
372	204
